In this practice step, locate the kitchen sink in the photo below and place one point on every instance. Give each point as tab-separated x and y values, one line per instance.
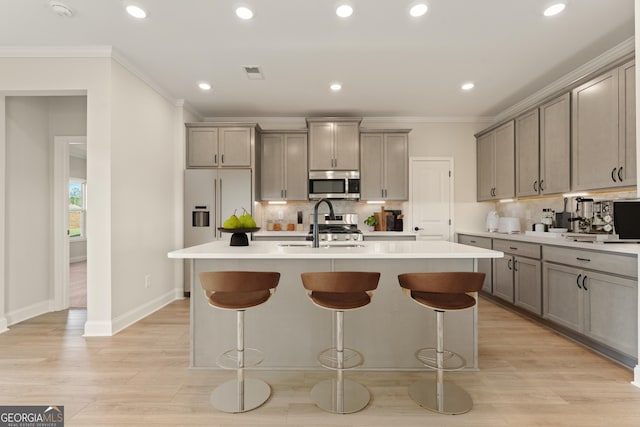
322	246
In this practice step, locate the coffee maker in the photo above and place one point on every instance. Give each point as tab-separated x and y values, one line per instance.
594	217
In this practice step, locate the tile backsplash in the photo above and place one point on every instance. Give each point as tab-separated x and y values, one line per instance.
288	213
529	211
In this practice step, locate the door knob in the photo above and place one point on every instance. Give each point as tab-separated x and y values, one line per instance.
418	229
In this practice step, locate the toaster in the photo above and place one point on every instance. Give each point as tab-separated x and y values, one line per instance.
508	224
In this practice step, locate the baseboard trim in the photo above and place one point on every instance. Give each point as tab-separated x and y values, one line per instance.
28	312
97	329
3	325
137	314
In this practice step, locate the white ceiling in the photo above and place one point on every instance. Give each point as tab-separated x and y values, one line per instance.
390	65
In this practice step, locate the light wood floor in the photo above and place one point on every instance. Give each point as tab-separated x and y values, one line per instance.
529	377
78	284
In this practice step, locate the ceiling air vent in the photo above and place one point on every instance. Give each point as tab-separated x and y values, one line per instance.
253	72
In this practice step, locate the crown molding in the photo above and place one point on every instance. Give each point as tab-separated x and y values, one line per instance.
299	122
615	53
55	51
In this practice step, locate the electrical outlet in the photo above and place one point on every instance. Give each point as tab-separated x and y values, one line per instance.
147	280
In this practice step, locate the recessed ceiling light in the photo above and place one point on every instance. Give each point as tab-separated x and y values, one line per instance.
418	10
554	9
204	86
61	9
244	13
335	87
136	11
468	86
344	11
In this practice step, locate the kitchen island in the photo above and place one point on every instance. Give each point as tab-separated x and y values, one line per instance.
291	331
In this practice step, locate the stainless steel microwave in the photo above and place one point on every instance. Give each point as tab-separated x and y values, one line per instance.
334	185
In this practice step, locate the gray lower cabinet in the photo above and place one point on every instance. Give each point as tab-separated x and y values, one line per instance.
484	265
517	276
283	168
384	164
601	306
495	163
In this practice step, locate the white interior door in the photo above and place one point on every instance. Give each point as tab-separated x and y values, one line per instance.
431	195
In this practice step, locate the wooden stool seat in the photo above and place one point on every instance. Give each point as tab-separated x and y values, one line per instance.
239	291
340	301
445	302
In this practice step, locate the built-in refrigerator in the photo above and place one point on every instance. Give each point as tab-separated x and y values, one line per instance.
210	197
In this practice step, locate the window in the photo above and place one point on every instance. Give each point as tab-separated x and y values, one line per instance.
77	206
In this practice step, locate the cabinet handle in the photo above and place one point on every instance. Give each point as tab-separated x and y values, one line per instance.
215	158
472	241
535	185
620	173
541	187
583	259
515	265
509	264
613	176
578	280
285	193
584	285
222	159
513	248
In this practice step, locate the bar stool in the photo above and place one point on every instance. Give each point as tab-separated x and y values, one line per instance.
339	292
441	292
239	290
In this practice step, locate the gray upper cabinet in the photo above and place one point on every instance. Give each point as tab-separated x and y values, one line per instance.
603	153
627	147
283	169
384	161
334	145
528	154
496	163
555	146
215	146
543	146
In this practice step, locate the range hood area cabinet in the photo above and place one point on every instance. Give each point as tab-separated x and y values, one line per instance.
384	164
283	166
603	142
334	143
543	146
212	145
495	163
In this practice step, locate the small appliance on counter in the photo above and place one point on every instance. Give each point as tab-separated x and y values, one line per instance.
492	221
509	225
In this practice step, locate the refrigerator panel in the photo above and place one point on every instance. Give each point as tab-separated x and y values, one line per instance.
235	194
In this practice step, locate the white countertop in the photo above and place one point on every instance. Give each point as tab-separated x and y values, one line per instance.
305	233
622	248
365	250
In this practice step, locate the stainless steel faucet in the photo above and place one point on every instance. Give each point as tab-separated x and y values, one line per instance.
332	216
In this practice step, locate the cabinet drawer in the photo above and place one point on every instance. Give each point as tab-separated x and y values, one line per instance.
479	242
530	250
624	265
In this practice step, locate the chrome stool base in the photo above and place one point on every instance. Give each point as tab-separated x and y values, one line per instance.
450	361
230	359
340	396
444	398
240	395
332	359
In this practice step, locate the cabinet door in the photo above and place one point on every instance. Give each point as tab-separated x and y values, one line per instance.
562	296
505	162
272	170
627	156
527	154
347	146
295	170
202	147
321	146
371	170
528	284
396	173
485	166
555	146
235	147
595	133
611	311
503	278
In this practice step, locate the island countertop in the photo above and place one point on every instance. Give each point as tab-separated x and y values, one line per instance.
352	250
